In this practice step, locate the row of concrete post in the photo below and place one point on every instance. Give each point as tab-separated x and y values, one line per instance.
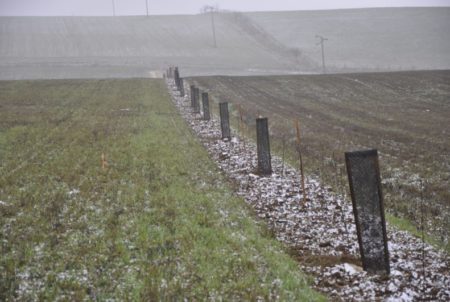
363	173
262	128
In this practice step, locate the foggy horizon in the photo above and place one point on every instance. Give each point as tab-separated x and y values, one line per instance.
180	7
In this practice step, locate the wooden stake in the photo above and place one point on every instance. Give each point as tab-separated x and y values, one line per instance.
241	124
422	224
104	162
302	174
283	153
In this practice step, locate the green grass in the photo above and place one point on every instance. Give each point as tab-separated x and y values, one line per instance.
158	223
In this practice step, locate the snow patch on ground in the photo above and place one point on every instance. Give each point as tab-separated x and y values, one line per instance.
321	232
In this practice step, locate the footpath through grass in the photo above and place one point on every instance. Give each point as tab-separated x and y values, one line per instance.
153	220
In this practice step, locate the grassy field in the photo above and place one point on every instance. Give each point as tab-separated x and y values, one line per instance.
105	194
404	115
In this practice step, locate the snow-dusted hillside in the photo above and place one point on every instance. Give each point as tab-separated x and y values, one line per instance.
248	44
383	38
34	47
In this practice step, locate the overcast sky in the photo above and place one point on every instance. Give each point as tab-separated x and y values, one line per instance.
138	7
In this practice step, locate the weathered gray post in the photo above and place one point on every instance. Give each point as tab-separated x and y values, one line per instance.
192	89
367	199
263	146
197	100
176	76
205	103
181	88
224	120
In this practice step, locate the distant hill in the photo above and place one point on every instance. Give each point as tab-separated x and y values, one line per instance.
384	38
58	47
248	44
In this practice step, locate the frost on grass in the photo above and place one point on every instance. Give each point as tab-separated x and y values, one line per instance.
83	231
321	232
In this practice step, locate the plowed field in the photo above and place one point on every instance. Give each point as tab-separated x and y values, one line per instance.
405	115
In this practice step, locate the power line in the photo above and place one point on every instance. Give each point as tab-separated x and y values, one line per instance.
114	8
321	42
213	25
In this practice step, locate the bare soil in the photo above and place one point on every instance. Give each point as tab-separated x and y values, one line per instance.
405	115
320	232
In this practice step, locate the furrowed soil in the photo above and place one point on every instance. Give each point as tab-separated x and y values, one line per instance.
105	194
405	115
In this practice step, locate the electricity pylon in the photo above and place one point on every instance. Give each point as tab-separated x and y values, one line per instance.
211	9
321	42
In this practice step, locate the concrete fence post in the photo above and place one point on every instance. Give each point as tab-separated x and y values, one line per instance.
197	100
263	146
205	103
367	199
181	88
176	76
192	90
224	120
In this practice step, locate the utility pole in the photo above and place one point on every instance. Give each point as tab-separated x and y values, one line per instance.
114	8
146	5
213	25
321	42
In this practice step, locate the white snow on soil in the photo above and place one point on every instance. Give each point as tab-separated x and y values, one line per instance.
323	226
